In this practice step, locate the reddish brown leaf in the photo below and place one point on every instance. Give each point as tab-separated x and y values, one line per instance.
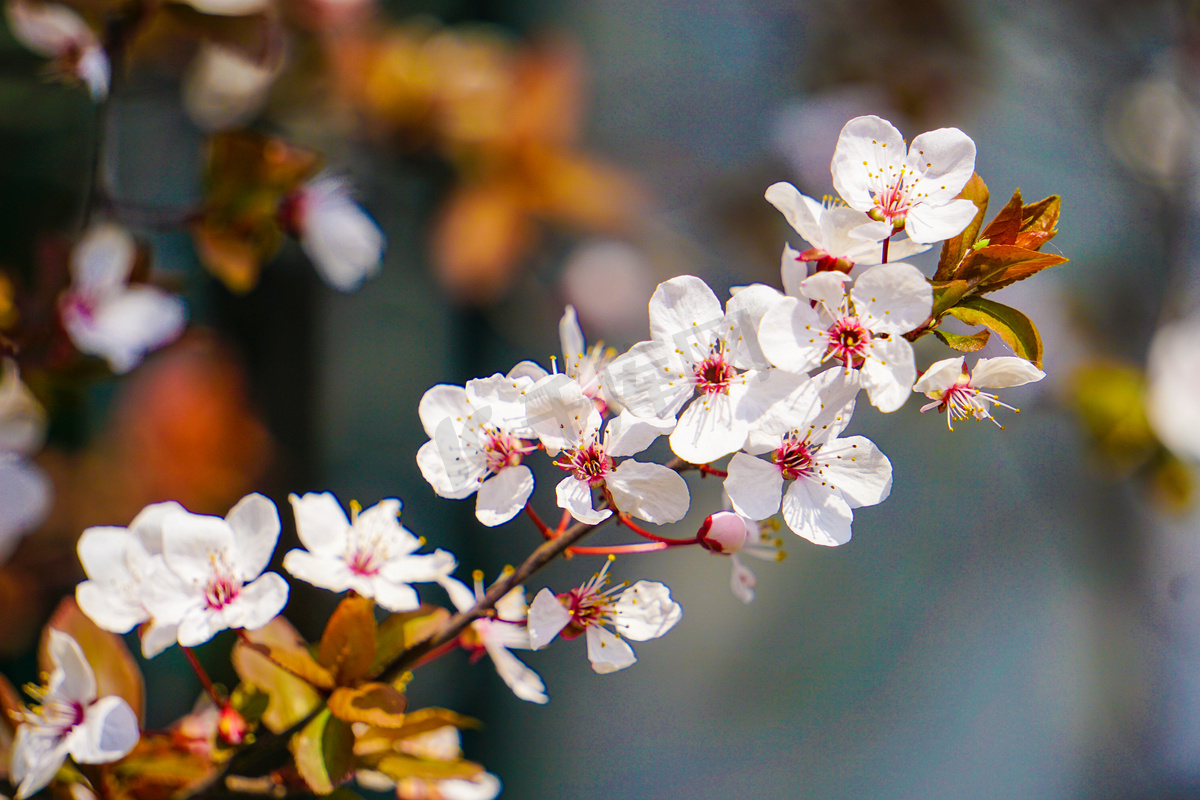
956	247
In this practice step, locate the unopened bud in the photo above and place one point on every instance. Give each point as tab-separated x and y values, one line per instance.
231	727
723	532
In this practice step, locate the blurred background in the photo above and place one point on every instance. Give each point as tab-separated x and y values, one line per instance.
1020	619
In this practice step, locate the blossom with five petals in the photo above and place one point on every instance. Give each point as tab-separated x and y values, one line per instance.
863	328
218	564
107	317
640	612
499	634
829	476
914	190
70	721
954	388
478	436
371	553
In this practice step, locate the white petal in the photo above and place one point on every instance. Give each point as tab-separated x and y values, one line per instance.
321	523
817	514
111	610
940	376
190	542
393	596
1003	372
888	373
754	486
442	402
35	761
261	601
453	470
560	413
802	213
103	259
892	298
827	288
792	272
147	525
570	336
25	495
628	434
73	679
484	786
685	314
868	150
95	72
501	497
345	245
325	571
575	496
646	611
649	491
607	651
743	317
22	419
651	380
945	160
108	732
742	582
158	637
48	29
928	224
709	429
127	325
255	525
547	616
421	568
524	682
460	594
856	468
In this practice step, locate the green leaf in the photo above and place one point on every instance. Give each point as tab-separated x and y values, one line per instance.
400	631
1014	328
947	294
250	701
324	752
274	660
961	343
958	246
348	645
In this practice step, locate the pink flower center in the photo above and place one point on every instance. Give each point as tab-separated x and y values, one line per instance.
794	458
364	561
222	588
893	203
713	373
75	304
504	450
589	463
848	341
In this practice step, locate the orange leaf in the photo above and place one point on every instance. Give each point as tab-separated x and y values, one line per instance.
291	693
958	246
348	646
374	703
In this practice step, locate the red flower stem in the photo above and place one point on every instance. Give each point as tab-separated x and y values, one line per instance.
564	522
624	519
541	526
885	249
436	653
198	668
619	549
705	469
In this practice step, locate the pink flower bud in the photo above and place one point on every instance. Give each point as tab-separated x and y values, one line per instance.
723	532
231	726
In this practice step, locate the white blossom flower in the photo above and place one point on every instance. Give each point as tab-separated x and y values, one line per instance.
1173	384
371	553
826	226
955	389
639	612
344	243
71	721
478	436
913	190
107	317
122	564
223	88
499	634
24	489
729	533
861	328
829	476
218	563
58	32
696	349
